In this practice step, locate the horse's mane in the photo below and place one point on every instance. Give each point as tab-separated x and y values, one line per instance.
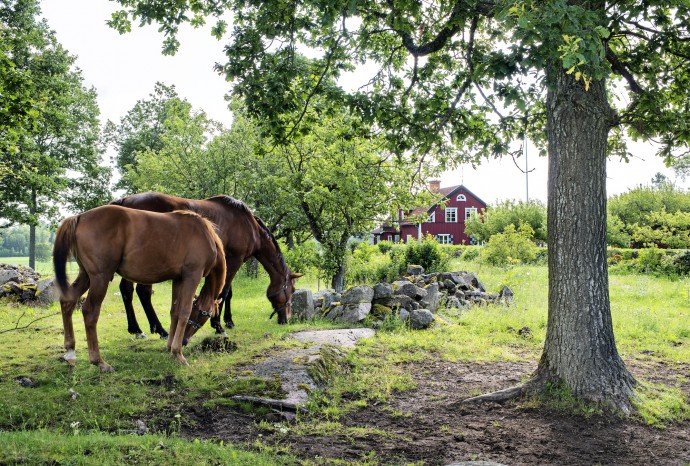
233	203
265	232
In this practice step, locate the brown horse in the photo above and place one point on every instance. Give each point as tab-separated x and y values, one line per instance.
146	247
243	236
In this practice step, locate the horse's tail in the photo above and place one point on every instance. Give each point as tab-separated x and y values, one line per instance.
64	246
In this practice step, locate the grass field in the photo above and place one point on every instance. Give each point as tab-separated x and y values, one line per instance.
72	411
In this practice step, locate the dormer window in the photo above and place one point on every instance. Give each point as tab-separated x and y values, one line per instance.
461	198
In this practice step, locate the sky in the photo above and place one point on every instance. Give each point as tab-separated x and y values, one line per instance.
124	69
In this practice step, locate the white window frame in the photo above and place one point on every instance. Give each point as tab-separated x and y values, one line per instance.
444	238
469	211
454	212
408	238
461	198
432	218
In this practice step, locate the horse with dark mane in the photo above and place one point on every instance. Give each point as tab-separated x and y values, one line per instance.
146	247
243	236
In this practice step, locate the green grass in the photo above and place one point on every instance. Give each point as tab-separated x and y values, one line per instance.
650	315
47	447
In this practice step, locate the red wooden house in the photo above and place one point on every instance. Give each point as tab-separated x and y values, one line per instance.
445	220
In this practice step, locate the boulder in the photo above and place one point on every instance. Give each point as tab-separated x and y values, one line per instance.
407	288
414	270
46	291
303	305
350	313
358	294
432	299
383	290
506	294
9	275
403	314
421	319
471	279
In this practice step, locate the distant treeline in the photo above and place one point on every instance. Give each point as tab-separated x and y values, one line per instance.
14	241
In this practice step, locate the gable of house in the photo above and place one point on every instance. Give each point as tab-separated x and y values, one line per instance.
446	219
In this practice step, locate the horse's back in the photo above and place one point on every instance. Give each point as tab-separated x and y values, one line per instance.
142	246
153	202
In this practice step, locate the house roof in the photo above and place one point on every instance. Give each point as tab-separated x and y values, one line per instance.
447	193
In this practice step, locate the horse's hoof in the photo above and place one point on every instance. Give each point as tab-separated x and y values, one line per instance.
181	359
163	334
140	336
70	357
105	368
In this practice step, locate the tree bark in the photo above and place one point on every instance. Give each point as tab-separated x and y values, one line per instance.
32	232
338	280
580	350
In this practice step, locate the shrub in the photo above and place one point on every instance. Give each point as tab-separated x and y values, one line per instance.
471	253
681	262
302	257
385	246
510	247
651	259
427	253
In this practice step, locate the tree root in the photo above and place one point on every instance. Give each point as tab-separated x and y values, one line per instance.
500	396
272	403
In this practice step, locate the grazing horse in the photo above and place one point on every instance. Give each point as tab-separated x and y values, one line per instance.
146	247
243	236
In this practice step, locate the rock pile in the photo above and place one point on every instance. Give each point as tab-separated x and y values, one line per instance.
414	298
26	285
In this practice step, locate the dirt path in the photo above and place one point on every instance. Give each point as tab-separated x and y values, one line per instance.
430	425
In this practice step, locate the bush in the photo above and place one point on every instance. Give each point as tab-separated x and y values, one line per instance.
651	259
302	257
471	253
427	253
681	262
385	246
510	247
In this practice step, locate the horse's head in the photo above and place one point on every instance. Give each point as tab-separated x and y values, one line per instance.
281	299
198	317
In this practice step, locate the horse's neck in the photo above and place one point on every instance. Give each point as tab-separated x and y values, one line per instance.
276	268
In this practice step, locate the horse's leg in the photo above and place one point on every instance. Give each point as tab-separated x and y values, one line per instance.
145	292
181	308
67	305
233	265
127	292
91	310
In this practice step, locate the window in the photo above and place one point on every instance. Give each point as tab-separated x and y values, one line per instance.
470	211
461	198
444	239
452	214
432	218
408	238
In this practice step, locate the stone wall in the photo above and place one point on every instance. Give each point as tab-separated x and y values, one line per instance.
25	285
414	298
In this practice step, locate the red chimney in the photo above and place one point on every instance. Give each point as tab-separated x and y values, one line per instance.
435	186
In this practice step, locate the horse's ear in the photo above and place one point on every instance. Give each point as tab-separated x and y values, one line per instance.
295	276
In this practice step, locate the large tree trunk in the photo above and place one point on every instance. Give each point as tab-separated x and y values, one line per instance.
32	233
580	350
338	280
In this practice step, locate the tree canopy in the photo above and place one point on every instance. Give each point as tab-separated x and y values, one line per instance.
459	80
53	154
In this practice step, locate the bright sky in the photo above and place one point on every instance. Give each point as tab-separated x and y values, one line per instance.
124	69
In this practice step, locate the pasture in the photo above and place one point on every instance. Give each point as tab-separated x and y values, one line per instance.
396	399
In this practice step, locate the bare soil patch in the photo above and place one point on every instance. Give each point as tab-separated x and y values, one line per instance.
431	426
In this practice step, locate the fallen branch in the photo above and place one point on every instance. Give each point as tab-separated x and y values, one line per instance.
270	402
17	327
499	396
